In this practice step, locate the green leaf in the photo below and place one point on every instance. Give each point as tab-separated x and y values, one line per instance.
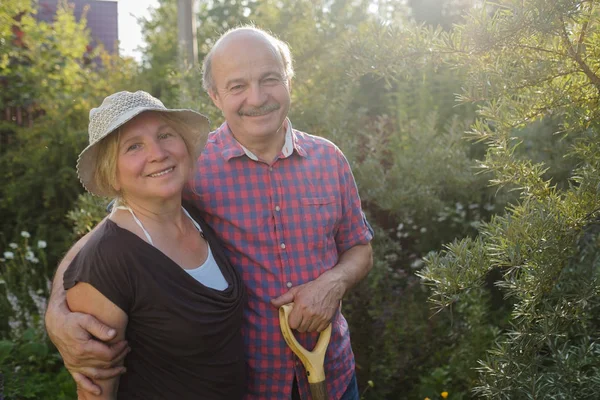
5	349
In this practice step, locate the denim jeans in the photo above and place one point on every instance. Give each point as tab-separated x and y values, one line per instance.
351	392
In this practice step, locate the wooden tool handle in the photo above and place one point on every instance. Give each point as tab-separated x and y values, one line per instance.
313	361
318	391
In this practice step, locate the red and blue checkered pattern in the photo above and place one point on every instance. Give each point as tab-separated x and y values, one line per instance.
282	225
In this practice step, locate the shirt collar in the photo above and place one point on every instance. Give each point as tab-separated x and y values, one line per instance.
233	148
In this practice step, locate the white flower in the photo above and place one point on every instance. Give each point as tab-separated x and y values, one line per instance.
39	300
42	244
14	302
14	326
29	255
25	234
13	245
9	255
35	260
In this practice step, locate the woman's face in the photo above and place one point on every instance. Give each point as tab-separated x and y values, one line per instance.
153	162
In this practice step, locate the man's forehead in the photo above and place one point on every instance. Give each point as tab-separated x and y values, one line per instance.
241	35
231	45
246	56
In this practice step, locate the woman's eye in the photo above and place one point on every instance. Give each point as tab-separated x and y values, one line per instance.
133	147
165	135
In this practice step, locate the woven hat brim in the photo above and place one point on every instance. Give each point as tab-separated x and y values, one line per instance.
197	123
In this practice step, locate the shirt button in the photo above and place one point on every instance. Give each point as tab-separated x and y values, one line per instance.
283	245
270	168
289	285
277	208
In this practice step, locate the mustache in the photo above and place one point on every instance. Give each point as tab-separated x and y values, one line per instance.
257	111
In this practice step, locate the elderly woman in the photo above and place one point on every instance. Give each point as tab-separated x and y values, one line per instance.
154	270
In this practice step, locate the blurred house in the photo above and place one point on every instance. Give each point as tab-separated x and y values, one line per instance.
101	19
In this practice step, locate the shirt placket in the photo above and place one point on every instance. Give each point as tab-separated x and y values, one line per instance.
278	207
278	203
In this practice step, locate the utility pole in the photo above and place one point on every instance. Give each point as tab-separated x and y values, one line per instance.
186	37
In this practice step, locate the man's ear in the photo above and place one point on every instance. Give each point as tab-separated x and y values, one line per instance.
214	96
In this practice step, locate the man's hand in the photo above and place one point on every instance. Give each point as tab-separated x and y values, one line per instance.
315	304
79	339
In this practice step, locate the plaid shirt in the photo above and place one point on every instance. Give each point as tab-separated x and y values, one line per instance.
282	225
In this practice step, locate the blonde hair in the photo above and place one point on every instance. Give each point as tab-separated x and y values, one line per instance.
105	173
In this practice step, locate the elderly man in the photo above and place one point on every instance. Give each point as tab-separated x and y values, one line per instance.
285	205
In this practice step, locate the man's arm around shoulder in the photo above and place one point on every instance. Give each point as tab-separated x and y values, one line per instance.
79	337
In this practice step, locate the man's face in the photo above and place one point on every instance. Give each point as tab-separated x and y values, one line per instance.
251	88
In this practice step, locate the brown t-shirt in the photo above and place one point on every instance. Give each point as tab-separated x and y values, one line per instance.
185	338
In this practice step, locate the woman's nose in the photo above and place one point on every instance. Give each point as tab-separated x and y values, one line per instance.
157	152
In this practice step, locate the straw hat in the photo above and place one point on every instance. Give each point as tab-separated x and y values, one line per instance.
121	107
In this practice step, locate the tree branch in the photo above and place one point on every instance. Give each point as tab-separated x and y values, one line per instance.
584	30
595	79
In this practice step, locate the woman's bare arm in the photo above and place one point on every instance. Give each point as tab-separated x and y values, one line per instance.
86	299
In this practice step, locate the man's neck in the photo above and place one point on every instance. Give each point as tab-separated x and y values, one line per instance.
268	149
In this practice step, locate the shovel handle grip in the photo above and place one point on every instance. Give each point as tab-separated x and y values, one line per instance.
313	361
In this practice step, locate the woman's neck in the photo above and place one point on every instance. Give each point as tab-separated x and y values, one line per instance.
163	213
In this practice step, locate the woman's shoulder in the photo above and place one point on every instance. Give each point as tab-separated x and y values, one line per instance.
106	243
101	263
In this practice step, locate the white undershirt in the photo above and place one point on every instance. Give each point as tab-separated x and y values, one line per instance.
209	273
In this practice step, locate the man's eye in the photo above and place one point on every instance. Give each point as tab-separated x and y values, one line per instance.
236	88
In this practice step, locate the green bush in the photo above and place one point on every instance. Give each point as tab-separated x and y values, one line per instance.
30	366
32	369
542	253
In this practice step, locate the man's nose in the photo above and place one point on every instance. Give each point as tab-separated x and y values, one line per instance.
256	95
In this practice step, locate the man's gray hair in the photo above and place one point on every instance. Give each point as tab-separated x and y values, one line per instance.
282	49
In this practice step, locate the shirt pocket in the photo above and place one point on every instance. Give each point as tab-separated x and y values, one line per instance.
321	215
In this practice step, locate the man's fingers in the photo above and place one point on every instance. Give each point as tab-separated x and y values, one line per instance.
102	355
86	384
97	328
285	298
323	326
119	359
294	320
98	374
314	326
